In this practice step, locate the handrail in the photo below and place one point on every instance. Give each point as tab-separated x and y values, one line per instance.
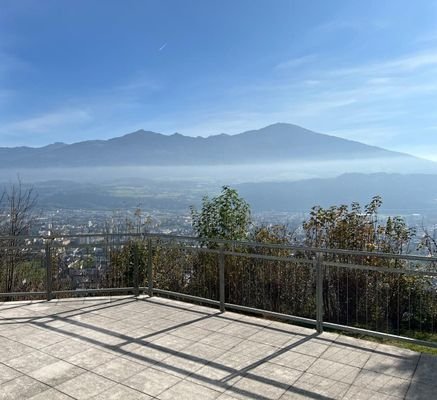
314	260
362	253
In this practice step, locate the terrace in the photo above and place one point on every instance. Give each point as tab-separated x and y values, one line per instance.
143	348
140	346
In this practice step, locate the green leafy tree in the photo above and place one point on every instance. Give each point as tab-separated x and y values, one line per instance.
226	216
365	298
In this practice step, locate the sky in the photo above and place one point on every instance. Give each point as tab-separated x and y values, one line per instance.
96	69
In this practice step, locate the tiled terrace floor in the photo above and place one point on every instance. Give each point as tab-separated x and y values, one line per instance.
123	348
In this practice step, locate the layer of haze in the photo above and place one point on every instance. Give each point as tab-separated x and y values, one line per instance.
219	174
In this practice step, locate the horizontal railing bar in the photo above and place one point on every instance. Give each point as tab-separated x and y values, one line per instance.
86	291
381	335
238	254
400	271
22	248
267	257
16	294
273	314
186	296
410	257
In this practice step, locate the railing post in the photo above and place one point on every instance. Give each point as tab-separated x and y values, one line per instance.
150	266
319	292
136	272
222	278
48	262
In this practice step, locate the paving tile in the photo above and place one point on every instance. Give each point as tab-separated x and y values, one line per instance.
266	381
186	390
7	374
91	358
119	369
347	355
254	349
172	342
31	361
21	388
359	393
310	386
185	316
274	375
419	391
221	340
191	332
145	354
10	349
51	394
333	370
382	383
392	365
212	324
202	352
240	329
271	337
310	346
41	340
235	360
247	388
151	381
120	392
180	366
226	396
66	348
215	376
294	360
85	386
56	373
426	371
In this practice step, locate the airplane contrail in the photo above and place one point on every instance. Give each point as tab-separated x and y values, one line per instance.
163	46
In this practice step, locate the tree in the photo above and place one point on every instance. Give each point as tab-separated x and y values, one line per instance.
17	214
226	216
352	295
339	227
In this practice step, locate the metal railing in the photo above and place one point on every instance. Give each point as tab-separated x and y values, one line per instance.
378	294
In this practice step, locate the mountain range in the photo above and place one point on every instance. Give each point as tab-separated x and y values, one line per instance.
274	143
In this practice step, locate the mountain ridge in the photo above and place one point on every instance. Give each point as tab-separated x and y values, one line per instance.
273	143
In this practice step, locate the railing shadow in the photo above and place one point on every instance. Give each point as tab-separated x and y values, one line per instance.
118	348
43	322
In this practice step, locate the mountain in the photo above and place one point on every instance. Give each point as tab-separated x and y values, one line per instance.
401	193
275	143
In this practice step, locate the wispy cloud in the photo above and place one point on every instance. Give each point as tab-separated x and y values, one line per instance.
336	25
136	84
48	122
393	66
296	62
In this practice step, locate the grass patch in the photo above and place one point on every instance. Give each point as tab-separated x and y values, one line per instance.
399	343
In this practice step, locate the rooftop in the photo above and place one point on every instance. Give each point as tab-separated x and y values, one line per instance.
143	348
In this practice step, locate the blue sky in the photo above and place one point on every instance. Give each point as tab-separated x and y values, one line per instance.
77	70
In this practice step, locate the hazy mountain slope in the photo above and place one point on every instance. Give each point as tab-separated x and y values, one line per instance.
401	193
274	143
